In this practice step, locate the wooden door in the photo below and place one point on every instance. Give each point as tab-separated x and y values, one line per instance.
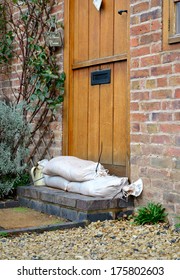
96	116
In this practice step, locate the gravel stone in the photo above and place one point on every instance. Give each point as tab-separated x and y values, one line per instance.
98	241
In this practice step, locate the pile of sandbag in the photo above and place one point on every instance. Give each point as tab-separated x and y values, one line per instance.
86	177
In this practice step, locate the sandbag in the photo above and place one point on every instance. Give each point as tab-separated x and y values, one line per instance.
106	187
74	169
56	182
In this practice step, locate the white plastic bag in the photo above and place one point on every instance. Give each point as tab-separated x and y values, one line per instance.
107	186
56	182
134	189
74	169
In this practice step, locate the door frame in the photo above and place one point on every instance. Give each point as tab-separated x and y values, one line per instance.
68	62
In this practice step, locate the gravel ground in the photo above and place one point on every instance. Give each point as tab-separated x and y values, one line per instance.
98	241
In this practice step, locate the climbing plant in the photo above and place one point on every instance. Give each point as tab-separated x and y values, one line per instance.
23	28
31	65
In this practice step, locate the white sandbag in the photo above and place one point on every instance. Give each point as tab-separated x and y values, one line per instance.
74	169
107	186
56	182
43	162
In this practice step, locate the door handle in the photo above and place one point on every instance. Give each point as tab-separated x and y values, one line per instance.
120	12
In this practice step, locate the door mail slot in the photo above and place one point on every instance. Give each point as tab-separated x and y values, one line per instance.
101	77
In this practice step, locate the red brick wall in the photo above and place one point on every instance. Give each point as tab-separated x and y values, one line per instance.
154	108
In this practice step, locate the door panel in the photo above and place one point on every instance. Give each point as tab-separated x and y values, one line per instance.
98	113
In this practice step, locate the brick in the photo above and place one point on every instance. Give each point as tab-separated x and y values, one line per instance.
151	84
177	163
150	106
157	173
177	187
161	70
140	95
175	175
136	149
173	151
174	81
139	73
166	105
150	60
161	162
134	42
177	93
162	116
153	149
134	63
161	94
164	185
135	127
176	104
177	140
140	138
143	6
156	47
134	106
140	160
140	117
177	116
152	128
177	68
148	38
156	3
170	128
140	29
137	52
170	57
171	197
135	85
150	15
156	25
161	82
145	16
135	20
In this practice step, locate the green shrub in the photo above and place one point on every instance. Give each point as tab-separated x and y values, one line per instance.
151	214
14	133
177	225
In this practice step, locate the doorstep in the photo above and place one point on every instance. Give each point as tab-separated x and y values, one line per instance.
71	206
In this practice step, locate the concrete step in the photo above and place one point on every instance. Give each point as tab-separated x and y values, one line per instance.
71	206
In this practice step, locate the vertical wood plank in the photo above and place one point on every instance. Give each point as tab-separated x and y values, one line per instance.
83	30
120	114
75	35
94	31
80	117
93	119
106	117
107	28
120	27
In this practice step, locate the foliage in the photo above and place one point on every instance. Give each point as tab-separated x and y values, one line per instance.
177	225
35	81
150	214
22	180
23	26
6	38
13	130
